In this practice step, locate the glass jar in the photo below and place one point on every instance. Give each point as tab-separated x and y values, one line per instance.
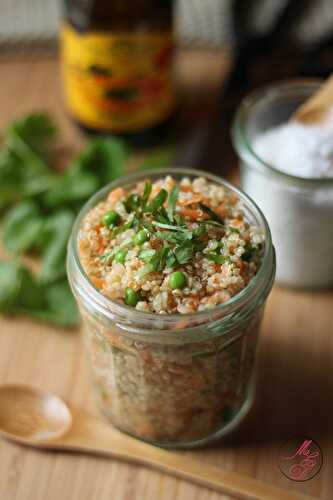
299	210
178	380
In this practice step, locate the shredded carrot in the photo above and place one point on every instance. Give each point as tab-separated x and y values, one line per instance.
186	189
220	210
236	222
98	282
191	213
115	195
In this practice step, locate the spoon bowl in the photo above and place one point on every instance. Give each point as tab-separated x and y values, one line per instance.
30	414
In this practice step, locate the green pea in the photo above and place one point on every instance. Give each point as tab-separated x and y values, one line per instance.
131	297
120	256
141	237
177	280
111	218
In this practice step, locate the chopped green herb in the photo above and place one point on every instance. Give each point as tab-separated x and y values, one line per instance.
247	255
141	237
171	260
120	256
146	192
211	213
170	227
157	201
233	229
156	262
174	236
132	203
146	255
184	252
218	259
173	196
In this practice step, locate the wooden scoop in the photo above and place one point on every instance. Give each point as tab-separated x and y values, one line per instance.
40	419
315	109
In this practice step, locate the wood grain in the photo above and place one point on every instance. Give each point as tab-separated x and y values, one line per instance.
295	361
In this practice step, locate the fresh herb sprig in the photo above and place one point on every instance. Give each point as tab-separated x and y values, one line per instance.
38	206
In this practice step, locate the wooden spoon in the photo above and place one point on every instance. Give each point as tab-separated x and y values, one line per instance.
315	109
36	418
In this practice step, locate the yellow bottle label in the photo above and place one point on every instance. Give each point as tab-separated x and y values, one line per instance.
120	82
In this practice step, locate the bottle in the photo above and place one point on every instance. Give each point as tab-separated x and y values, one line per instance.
117	59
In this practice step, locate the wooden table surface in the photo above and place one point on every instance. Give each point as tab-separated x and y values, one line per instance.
295	366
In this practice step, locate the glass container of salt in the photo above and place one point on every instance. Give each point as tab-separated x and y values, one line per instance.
287	168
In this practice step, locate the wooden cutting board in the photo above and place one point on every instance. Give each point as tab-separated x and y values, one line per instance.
295	365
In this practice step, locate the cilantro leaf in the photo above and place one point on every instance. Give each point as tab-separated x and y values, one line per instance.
213	215
146	192
21	226
173	196
217	258
147	254
157	201
249	250
184	252
57	229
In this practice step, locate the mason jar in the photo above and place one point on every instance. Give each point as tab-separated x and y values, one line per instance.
174	380
299	210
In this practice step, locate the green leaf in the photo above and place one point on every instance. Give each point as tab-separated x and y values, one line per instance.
177	237
157	201
30	139
9	284
60	307
101	162
173	196
104	158
21	227
184	253
18	288
57	229
156	262
173	228
132	203
36	129
218	259
249	250
146	192
12	176
146	255
233	229
213	215
171	259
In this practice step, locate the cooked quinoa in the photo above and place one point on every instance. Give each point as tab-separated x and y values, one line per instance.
170	247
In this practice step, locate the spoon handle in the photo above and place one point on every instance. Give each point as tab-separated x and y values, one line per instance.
91	435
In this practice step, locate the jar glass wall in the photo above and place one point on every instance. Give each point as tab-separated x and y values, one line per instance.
178	380
299	210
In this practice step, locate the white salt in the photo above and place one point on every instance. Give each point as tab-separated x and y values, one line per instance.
300	215
297	149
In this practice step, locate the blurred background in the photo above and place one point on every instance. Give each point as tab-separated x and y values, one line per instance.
198	23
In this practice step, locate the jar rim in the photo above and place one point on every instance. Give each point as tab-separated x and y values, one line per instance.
111	308
242	117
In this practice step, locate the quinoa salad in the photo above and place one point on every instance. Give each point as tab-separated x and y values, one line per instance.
170	247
